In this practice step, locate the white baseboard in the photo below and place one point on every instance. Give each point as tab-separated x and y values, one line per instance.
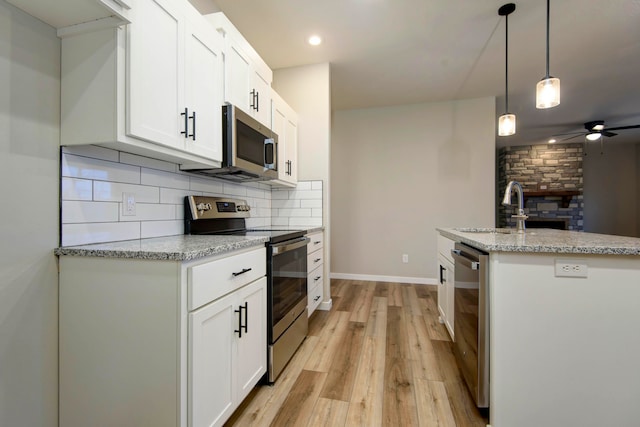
374	278
326	305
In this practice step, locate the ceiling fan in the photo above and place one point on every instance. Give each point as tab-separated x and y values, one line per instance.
595	130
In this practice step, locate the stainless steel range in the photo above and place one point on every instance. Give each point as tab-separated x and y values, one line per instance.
286	271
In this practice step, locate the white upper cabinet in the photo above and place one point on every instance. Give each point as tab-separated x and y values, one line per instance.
153	87
284	122
77	16
247	77
175	78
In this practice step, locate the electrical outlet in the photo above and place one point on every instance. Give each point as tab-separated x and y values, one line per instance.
405	258
128	204
571	268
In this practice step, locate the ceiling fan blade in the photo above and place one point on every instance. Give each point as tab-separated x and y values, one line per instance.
624	127
571	137
570	133
607	133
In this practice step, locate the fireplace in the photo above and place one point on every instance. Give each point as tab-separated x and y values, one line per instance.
555	223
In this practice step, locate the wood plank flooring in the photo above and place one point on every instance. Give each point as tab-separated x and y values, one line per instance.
378	358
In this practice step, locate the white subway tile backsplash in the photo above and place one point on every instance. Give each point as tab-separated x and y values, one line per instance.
304	185
112	192
74	211
76	189
311	203
287	203
80	234
88	168
95	178
306	194
204	185
294	212
304	222
151	212
147	162
173	196
279	195
236	190
298	207
161	228
164	179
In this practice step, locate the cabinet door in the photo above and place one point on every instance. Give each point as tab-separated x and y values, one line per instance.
236	78
450	291
204	88
278	125
155	65
292	149
251	360
442	294
262	104
211	359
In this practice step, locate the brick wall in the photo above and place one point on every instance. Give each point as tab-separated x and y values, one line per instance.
543	168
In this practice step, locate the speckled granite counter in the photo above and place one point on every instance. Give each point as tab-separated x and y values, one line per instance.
172	248
543	241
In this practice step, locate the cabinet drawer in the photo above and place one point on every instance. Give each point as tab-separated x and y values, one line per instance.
314	278
314	259
314	298
445	245
317	242
211	280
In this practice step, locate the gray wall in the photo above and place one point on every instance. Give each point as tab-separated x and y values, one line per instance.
612	189
29	132
397	173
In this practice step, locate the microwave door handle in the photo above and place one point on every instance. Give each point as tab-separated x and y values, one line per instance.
270	144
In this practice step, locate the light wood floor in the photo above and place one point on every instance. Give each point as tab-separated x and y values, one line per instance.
378	358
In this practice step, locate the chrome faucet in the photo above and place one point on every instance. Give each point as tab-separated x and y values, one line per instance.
520	217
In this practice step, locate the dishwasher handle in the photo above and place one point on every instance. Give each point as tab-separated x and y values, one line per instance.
459	258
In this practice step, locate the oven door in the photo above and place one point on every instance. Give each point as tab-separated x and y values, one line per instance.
288	284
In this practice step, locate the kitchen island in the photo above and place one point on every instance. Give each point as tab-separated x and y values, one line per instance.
564	321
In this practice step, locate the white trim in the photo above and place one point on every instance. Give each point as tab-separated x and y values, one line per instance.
375	278
325	305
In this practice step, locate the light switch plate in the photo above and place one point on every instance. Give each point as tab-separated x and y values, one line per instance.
571	268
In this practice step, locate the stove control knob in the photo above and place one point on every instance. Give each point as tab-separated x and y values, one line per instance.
244	208
203	207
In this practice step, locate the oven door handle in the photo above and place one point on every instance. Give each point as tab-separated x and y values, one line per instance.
459	258
290	245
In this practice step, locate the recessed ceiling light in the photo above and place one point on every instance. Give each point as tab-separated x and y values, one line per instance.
552	140
314	40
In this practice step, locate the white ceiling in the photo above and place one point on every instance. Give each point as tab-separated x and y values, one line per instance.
392	52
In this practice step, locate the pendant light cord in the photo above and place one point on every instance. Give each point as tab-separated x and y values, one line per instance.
548	2
506	65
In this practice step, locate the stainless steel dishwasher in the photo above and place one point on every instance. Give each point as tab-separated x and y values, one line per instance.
471	314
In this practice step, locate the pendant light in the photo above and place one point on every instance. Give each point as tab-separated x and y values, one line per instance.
548	89
507	121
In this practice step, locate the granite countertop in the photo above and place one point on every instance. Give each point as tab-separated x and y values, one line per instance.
543	241
171	248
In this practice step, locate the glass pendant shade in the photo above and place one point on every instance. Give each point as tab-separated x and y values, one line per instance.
507	125
548	93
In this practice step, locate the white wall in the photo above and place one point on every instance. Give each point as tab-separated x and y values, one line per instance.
29	132
612	189
400	172
307	89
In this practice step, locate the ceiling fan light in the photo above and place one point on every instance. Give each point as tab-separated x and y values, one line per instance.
598	127
548	93
594	136
507	125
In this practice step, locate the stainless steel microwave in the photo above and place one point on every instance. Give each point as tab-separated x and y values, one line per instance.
249	149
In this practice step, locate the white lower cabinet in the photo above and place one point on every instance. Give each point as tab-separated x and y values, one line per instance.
227	353
160	343
315	271
446	283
